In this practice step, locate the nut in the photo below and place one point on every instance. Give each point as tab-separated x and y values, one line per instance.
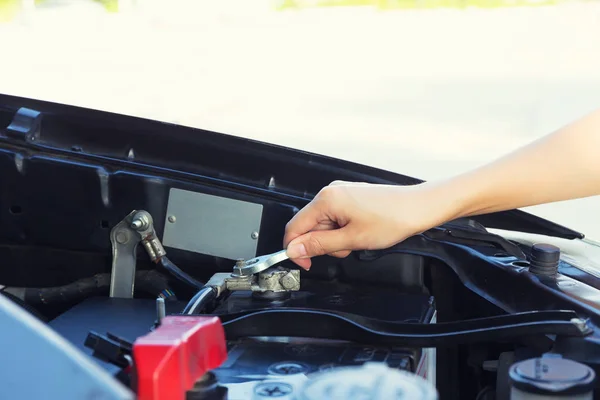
289	282
141	221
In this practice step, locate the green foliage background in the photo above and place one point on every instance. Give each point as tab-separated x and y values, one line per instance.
412	4
10	8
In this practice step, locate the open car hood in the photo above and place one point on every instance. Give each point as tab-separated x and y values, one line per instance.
230	161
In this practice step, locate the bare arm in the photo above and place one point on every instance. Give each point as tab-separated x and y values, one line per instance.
560	166
349	216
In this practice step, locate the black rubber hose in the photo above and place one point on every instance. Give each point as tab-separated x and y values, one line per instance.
179	274
200	300
82	288
151	282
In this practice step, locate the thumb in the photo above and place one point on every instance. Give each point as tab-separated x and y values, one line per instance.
318	243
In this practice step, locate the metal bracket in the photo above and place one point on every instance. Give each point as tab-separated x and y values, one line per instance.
134	228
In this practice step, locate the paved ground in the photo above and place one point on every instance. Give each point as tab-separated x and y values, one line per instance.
425	93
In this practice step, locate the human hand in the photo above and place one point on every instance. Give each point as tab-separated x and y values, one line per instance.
346	216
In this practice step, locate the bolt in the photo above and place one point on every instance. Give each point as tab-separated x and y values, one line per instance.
137	224
254	235
237	270
172	219
122	237
161	311
140	222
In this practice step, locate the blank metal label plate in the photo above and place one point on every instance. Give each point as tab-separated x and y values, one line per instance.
212	225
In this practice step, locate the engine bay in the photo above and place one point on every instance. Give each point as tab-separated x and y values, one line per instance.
107	243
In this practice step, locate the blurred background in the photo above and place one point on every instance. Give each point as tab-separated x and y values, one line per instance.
426	88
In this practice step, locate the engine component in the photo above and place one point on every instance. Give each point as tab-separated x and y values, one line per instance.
124	237
370	381
540	378
151	282
179	274
143	224
363	301
265	365
132	318
274	279
200	300
172	358
161	311
341	326
544	259
279	279
113	317
110	348
258	264
137	228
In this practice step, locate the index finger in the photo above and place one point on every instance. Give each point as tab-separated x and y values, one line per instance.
304	221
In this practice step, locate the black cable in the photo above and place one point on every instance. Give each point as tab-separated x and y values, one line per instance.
151	282
200	300
179	274
82	288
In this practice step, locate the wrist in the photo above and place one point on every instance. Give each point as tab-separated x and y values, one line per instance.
457	197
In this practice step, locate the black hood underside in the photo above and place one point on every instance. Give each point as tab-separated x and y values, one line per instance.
35	128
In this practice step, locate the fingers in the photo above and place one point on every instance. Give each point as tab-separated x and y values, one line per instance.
304	221
313	216
306	263
315	229
318	243
341	253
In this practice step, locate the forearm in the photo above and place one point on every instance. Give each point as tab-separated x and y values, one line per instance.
561	166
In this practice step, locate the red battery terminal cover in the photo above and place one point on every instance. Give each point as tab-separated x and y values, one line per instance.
170	359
